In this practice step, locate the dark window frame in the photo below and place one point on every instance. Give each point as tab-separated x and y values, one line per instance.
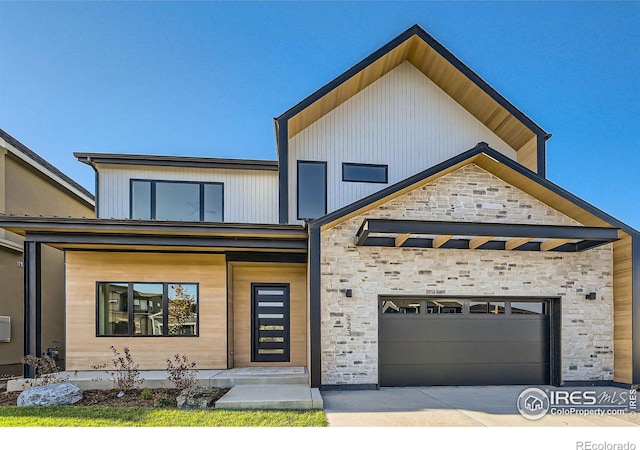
350	164
130	310
466	313
153	196
326	182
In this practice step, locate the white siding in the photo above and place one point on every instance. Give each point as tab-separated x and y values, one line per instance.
403	120
250	196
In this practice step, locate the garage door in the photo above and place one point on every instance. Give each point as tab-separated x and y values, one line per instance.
425	342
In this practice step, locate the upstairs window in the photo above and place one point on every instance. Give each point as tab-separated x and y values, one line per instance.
177	200
365	173
312	189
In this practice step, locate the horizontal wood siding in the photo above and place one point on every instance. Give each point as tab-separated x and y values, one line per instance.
250	196
84	269
622	310
243	275
403	120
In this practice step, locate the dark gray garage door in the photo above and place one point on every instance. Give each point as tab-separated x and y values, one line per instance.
424	342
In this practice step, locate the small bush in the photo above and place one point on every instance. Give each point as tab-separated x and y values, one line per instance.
123	369
146	394
162	401
46	370
182	373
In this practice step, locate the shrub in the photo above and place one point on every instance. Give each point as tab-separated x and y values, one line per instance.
123	369
46	370
181	372
162	401
146	394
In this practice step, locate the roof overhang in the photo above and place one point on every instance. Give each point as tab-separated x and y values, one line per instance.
175	161
27	156
438	64
109	234
481	236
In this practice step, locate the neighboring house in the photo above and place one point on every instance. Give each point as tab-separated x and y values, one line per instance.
406	235
31	186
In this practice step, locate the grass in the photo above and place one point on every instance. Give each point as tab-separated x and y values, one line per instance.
101	416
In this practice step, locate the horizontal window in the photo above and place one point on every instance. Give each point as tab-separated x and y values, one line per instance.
147	309
430	307
445	307
401	307
535	308
365	173
177	201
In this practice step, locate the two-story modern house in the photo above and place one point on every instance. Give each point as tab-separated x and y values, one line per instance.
29	185
406	235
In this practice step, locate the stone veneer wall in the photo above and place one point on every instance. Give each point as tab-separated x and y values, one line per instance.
350	325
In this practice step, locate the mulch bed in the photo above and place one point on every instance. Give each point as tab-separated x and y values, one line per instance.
159	398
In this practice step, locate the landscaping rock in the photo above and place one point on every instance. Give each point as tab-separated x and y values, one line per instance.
53	394
197	398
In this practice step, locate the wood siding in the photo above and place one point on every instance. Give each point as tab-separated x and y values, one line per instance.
84	269
403	120
243	274
622	310
250	196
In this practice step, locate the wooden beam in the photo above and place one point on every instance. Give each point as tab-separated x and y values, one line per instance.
479	241
550	244
515	243
439	241
401	239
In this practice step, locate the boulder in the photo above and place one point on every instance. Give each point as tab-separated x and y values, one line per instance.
52	394
197	398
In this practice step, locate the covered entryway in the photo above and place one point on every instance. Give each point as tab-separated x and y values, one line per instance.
464	341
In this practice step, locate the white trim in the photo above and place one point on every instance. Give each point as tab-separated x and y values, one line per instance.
11	245
46	172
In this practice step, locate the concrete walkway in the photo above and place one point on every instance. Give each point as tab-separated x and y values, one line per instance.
484	406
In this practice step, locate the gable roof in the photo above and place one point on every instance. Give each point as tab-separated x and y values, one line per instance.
502	167
438	64
30	157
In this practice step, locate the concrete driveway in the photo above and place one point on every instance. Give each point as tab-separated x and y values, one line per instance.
464	406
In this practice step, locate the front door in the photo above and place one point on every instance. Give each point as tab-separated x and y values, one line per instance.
270	322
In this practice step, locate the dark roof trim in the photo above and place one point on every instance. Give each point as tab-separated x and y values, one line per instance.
481	148
587	237
44	163
416	30
138	240
176	161
70	224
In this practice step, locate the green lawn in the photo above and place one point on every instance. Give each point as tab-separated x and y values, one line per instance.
100	416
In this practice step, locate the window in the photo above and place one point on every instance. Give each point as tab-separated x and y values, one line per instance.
312	189
147	309
486	307
365	173
445	306
177	200
398	306
535	308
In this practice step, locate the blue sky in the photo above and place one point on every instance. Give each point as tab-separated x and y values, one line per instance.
207	78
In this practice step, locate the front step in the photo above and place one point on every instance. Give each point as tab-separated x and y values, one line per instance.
260	376
274	396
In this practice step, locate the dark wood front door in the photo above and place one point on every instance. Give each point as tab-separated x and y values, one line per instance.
270	322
